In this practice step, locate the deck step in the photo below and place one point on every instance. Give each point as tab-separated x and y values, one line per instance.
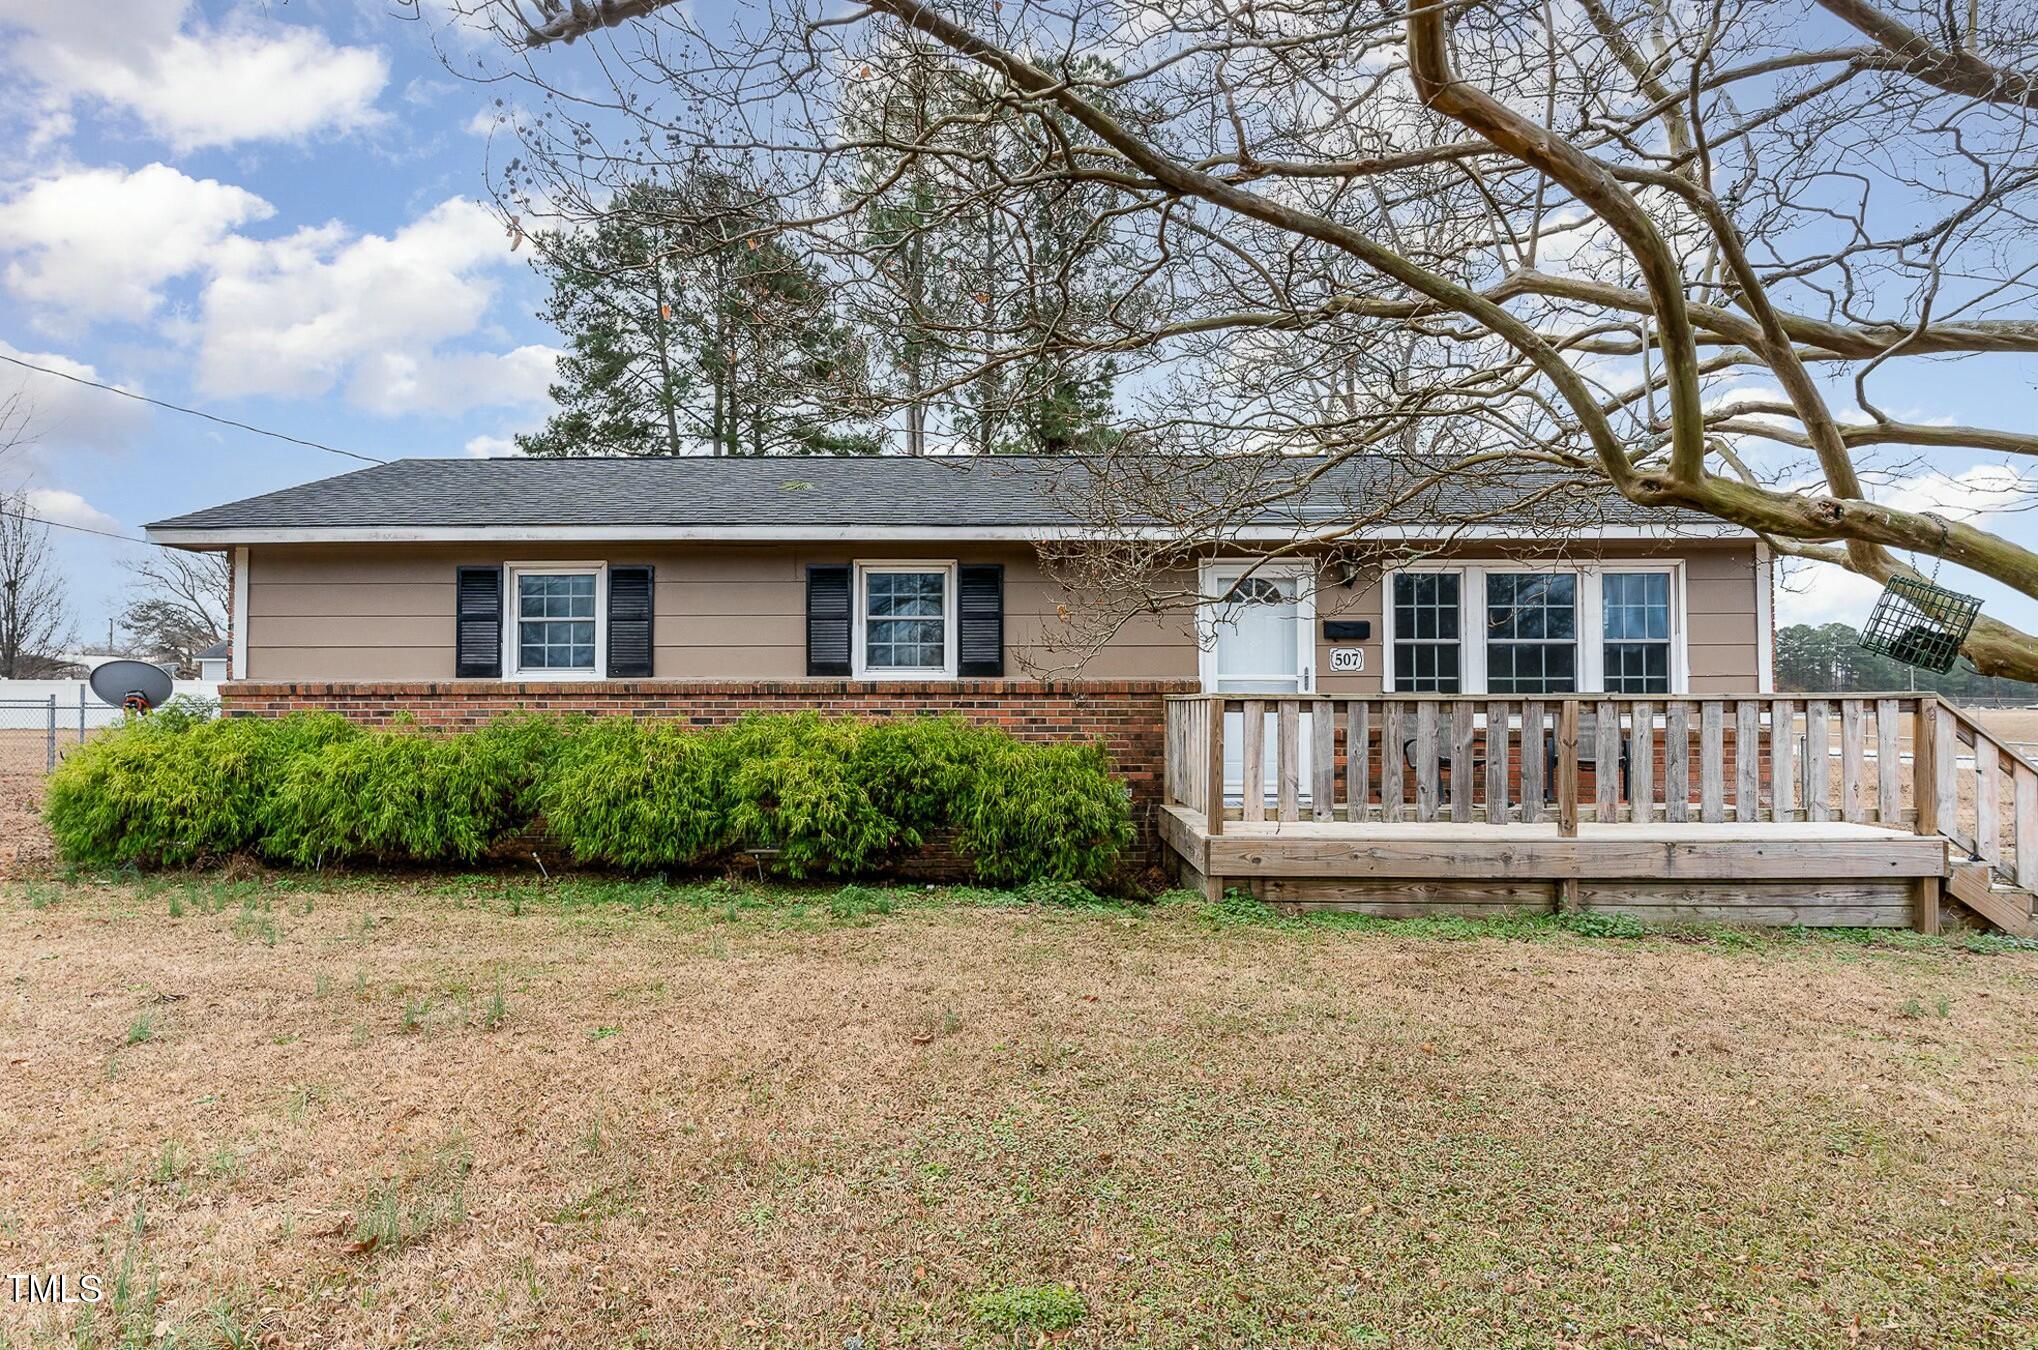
2007	907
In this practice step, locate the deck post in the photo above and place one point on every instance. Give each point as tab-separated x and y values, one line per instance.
1567	768
1928	905
1924	764
1213	819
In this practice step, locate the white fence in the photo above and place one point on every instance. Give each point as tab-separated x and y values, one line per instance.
41	719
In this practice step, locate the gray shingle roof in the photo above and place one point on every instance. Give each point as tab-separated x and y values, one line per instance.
893	491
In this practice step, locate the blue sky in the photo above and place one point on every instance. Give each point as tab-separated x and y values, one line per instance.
278	213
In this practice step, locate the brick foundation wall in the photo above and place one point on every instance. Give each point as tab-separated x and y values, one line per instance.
1126	715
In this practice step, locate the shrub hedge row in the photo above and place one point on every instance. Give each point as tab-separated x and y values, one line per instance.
832	796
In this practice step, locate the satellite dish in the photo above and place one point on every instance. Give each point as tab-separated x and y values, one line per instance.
134	685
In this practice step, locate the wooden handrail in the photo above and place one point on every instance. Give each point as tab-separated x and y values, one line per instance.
1865	695
1985	843
1561	757
1748	758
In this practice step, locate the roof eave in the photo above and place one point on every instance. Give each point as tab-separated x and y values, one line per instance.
215	537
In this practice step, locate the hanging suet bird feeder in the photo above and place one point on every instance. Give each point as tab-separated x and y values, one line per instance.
1920	623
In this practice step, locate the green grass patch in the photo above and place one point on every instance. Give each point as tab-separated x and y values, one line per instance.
1039	1308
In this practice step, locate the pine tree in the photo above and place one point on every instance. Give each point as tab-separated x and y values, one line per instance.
993	283
691	328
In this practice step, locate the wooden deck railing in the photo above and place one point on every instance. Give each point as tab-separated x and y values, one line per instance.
1983	795
1851	757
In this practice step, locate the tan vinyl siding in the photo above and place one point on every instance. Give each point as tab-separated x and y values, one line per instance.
1720	605
723	611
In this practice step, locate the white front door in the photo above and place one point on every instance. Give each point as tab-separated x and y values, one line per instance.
1259	623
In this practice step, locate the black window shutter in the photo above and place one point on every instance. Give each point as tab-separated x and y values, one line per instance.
980	619
477	651
630	622
828	620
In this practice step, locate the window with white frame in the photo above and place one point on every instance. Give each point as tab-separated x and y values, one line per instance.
556	626
905	619
1427	646
1612	628
1531	632
1636	620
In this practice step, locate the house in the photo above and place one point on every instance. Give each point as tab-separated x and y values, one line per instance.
212	662
1357	651
887	569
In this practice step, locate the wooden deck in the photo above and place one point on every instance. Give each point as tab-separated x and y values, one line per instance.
1814	873
1720	809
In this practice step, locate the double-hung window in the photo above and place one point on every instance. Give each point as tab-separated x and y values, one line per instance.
1493	627
1428	652
906	619
1531	632
555	625
1636	608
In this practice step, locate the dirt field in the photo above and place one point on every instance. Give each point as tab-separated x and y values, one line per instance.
2018	725
595	1114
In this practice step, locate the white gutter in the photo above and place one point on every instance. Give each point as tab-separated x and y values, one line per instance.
183	537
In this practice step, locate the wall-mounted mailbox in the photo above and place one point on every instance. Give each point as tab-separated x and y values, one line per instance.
1347	630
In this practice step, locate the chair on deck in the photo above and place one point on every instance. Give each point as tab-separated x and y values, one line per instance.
1588	757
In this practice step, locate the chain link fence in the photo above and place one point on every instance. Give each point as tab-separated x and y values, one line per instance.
36	732
42	721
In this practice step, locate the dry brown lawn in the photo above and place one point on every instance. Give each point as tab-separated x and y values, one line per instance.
24	843
484	1112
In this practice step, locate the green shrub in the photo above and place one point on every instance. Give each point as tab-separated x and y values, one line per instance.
794	787
395	796
531	745
169	790
916	769
827	796
1043	812
638	795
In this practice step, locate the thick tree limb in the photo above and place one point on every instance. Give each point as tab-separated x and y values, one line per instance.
1958	72
567	20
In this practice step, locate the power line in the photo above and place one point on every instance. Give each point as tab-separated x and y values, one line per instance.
189	412
25	514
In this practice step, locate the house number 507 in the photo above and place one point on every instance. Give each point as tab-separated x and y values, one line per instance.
1346	659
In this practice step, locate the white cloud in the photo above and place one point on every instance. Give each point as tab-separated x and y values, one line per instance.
61	415
190	83
1817	593
489	447
300	315
100	243
1820	593
1970	495
390	383
68	508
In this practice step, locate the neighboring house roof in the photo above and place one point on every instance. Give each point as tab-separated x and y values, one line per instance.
787	497
216	652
